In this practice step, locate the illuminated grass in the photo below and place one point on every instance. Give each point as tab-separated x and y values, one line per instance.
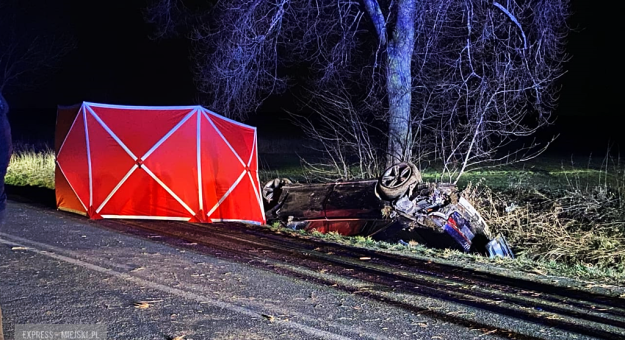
30	167
522	264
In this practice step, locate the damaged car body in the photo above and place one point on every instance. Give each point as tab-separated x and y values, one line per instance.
398	208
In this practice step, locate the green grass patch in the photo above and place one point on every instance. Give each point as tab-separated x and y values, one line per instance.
30	167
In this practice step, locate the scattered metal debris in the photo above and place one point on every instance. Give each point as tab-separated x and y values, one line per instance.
399	207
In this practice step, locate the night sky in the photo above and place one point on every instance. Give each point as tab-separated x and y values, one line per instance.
115	62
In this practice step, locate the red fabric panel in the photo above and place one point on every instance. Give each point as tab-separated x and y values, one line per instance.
241	204
254	173
254	162
220	167
140	129
64	119
141	195
65	197
175	163
240	138
109	162
72	159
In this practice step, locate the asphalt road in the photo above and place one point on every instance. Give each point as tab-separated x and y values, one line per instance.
161	280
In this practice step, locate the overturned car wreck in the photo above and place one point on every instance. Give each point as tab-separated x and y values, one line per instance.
398	207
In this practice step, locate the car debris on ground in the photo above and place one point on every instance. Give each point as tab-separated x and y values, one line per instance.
398	208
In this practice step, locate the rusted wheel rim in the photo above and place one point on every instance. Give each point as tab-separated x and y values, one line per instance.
396	175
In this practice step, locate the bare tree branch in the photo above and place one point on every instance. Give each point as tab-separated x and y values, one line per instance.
377	18
513	18
458	82
25	51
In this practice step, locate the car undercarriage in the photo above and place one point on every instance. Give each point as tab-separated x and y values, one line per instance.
398	208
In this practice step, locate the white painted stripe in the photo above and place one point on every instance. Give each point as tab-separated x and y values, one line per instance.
65	251
145	168
255	314
228	119
71	187
258	198
135	167
199	162
171	132
217	220
224	139
140	107
88	161
112	134
136	217
70	129
227	193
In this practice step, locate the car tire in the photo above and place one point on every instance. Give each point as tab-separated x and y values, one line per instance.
396	180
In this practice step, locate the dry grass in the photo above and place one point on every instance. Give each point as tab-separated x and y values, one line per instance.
578	224
31	166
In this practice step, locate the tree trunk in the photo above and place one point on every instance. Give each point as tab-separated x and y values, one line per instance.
399	82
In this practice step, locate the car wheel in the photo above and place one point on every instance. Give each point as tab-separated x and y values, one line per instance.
396	180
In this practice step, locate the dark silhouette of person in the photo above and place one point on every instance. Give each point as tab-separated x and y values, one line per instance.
6	148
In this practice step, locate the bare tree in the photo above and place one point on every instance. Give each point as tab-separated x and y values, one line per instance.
344	135
448	80
485	76
242	51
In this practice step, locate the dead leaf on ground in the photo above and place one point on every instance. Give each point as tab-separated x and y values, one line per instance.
145	304
487	333
271	318
142	305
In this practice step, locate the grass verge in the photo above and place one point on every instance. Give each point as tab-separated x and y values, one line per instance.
31	167
587	277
